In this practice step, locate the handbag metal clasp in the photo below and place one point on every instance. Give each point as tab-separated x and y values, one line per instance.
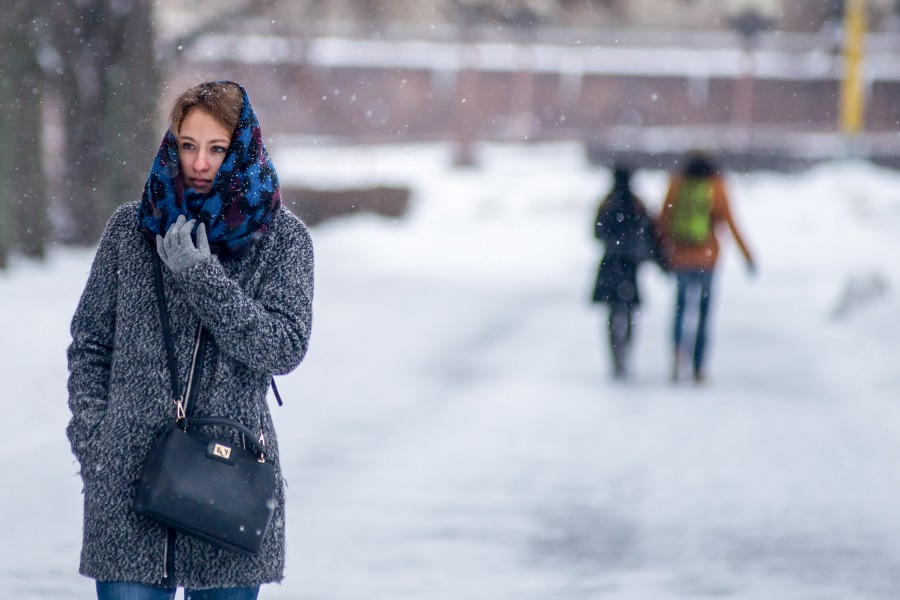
262	443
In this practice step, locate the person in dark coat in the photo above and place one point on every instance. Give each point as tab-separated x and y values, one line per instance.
628	236
234	261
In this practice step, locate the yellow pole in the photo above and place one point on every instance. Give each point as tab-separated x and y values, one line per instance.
852	105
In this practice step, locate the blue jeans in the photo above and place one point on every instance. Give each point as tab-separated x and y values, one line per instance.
121	590
697	284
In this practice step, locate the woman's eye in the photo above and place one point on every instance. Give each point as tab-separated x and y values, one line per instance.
187	146
219	149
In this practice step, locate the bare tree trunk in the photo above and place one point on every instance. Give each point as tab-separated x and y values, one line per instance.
32	229
5	175
24	223
82	37
131	132
109	87
7	97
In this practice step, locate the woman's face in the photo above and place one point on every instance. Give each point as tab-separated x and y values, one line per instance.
202	143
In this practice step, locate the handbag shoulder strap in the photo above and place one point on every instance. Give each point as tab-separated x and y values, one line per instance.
166	330
186	405
199	352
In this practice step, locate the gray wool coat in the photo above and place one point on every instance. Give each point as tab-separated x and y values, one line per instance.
258	310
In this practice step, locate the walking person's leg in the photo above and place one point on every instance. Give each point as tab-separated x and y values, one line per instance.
682	279
630	310
619	333
705	281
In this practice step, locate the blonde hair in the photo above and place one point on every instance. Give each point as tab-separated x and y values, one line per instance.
221	100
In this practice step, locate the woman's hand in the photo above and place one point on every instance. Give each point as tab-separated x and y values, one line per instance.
177	249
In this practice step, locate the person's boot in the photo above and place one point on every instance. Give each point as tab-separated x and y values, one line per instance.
618	345
620	369
676	366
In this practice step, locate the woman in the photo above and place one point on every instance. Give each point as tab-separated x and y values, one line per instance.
248	279
696	205
627	232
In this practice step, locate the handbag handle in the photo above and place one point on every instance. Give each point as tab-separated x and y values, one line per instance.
257	445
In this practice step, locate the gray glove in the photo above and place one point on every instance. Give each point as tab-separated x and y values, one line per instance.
177	250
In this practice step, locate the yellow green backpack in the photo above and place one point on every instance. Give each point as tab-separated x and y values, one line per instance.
692	211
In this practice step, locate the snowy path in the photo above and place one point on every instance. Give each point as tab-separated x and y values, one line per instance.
525	474
453	434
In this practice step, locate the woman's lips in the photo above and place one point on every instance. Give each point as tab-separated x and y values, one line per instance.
201	184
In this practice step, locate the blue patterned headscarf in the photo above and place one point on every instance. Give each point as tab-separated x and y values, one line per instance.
243	199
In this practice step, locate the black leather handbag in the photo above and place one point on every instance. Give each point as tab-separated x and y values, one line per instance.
208	487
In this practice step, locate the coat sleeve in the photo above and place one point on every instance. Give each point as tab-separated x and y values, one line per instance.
91	350
648	235
724	210
601	222
664	220
269	332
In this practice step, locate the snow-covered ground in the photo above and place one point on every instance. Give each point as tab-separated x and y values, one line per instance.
454	433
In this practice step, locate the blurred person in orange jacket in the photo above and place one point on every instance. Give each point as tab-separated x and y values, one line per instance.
696	206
